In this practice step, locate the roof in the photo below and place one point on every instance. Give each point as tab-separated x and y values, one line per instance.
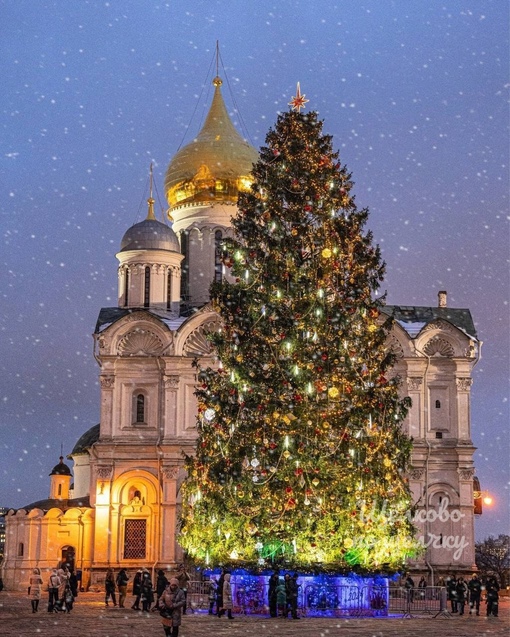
413	318
61	469
216	165
53	503
85	441
109	315
150	234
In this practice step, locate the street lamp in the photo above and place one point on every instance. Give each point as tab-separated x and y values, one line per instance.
480	497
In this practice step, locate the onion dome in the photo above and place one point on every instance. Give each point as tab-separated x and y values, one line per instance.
150	234
60	469
215	166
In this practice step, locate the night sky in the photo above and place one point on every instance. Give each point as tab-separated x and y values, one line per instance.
414	94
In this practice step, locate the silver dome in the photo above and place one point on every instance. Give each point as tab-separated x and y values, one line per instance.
150	234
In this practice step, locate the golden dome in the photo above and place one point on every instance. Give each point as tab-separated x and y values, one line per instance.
215	166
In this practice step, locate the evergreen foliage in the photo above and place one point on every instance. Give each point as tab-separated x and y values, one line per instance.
299	428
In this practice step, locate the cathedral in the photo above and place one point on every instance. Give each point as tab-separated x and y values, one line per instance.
119	505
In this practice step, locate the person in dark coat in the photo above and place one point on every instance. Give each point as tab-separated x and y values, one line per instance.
146	590
109	587
73	584
161	584
451	587
137	590
183	578
291	590
122	582
492	592
171	604
462	591
271	593
475	594
219	597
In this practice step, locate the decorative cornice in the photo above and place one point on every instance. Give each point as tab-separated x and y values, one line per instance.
464	383
466	474
414	383
171	473
104	473
171	382
107	382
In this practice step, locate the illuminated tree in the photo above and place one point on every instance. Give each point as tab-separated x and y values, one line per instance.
299	430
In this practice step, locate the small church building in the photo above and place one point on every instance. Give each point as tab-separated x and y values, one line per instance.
118	506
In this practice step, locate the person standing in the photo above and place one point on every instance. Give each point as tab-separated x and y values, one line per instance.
171	604
475	594
462	590
219	596
291	590
53	585
146	590
161	584
109	587
183	578
281	598
227	596
122	582
213	588
492	592
271	593
35	588
451	587
137	590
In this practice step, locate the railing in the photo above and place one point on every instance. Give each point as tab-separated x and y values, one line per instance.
332	601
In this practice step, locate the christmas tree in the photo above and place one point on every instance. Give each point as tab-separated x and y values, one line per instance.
299	427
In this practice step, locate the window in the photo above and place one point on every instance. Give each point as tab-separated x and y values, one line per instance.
439	435
135	534
169	290
438	404
59	489
126	291
21	549
185	266
218	249
140	408
147	290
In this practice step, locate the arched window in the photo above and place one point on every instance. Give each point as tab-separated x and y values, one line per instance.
126	290
147	290
438	404
169	289
59	491
140	408
218	248
21	549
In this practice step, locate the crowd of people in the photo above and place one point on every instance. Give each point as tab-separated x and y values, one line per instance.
169	596
461	594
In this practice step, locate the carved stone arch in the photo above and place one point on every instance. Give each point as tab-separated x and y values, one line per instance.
140	341
439	346
443	489
398	340
197	343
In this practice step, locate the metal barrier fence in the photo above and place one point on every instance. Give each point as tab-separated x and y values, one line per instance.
418	601
330	600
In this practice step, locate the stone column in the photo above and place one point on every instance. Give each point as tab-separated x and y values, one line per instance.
107	384
169	513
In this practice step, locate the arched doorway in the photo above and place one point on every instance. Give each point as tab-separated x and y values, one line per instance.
67	557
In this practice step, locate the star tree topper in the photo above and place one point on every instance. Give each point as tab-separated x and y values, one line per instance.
298	102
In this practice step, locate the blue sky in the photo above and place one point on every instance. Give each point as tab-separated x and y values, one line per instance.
414	94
